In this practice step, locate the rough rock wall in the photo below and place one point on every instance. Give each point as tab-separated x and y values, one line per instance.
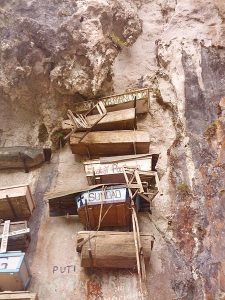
183	55
54	53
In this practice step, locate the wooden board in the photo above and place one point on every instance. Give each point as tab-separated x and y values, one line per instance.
119	101
14	157
17	242
120	120
111	249
103	143
16	203
18	296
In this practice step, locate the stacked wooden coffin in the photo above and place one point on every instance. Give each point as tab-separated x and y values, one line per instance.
109	202
112	131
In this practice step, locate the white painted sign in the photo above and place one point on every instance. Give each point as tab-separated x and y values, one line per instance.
9	262
98	196
98	169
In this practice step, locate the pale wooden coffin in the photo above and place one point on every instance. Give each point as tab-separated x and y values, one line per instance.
103	143
104	208
14	271
138	98
111	249
24	295
110	170
16	203
120	120
17	242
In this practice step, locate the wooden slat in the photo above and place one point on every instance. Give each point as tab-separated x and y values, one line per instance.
18	296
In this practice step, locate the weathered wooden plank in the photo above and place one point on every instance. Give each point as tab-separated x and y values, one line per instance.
111	249
102	143
18	296
120	120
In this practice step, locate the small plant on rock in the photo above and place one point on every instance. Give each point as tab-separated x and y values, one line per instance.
117	40
183	188
210	131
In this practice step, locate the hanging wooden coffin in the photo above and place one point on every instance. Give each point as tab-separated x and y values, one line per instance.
16	203
109	207
111	249
103	143
14	271
111	170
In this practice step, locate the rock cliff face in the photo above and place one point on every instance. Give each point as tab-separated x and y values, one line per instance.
185	63
54	54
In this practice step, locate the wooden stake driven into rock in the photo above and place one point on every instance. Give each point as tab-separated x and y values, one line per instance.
80	120
138	184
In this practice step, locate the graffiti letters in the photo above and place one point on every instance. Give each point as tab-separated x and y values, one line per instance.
63	270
